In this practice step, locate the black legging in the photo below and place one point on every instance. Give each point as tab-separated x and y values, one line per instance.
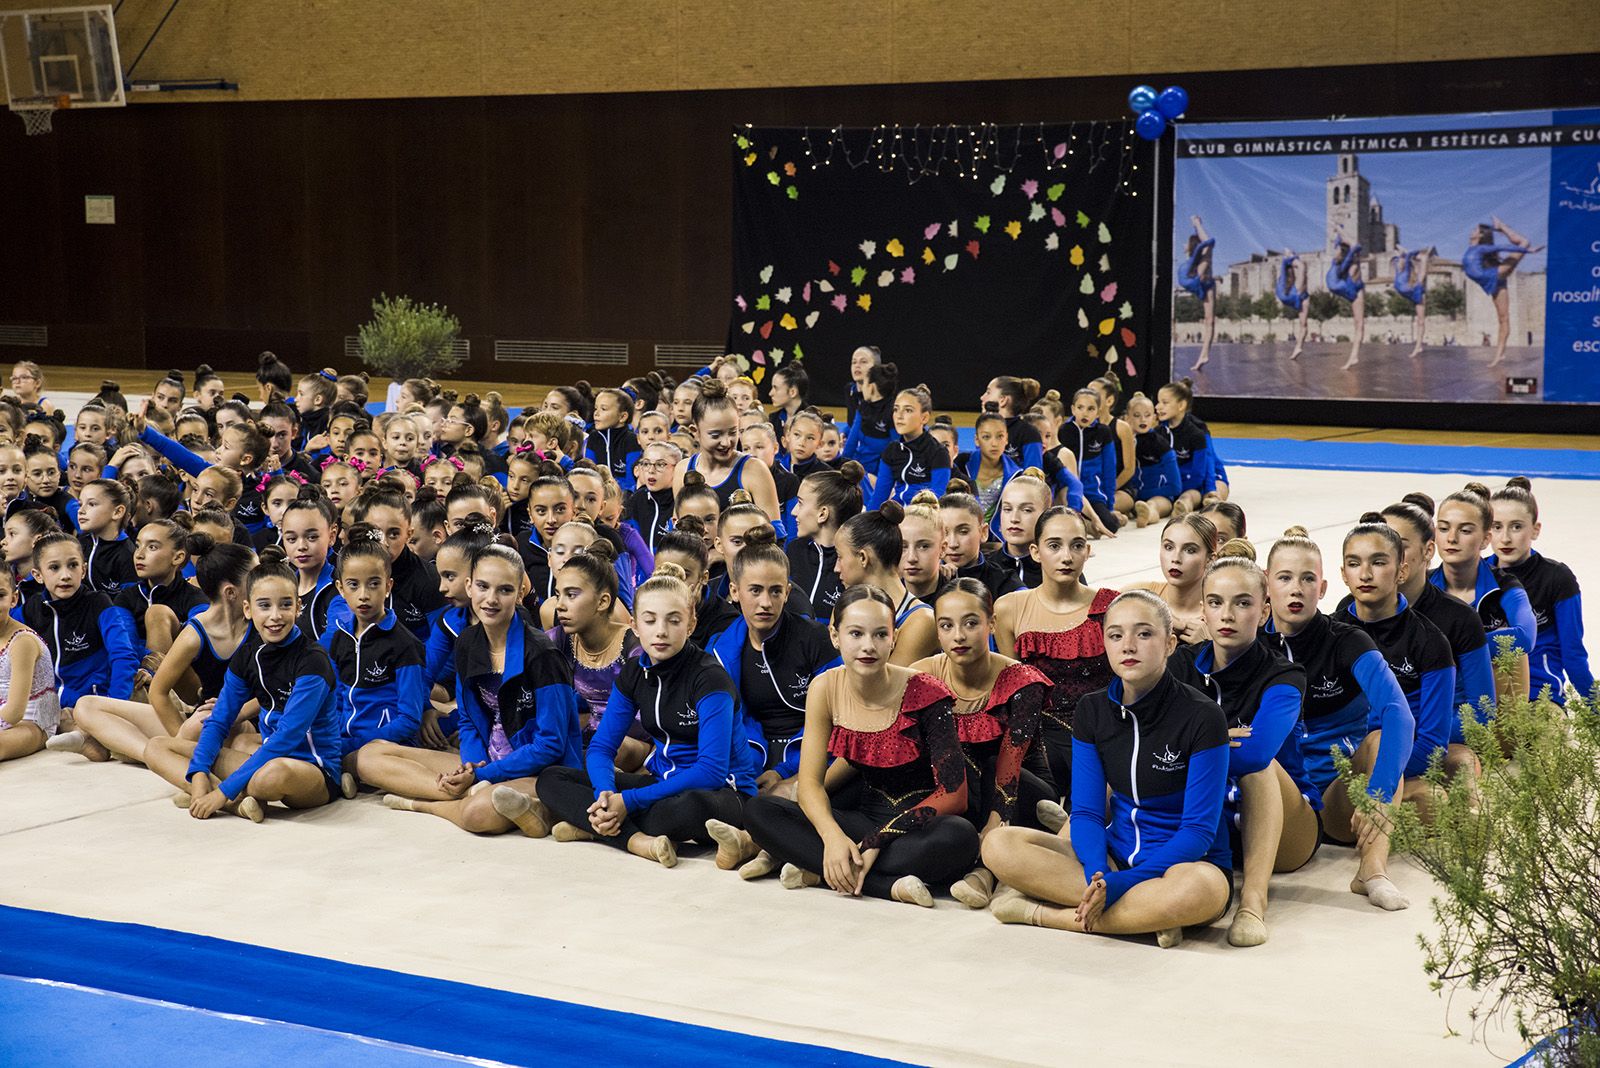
1050	759
568	793
1108	515
939	852
1031	789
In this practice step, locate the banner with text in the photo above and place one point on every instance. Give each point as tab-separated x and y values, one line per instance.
1425	258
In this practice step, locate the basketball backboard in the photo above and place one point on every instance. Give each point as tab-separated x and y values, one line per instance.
60	57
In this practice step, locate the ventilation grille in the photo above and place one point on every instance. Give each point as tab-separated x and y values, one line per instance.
687	354
460	346
599	353
21	334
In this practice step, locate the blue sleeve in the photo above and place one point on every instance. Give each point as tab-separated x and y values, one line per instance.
1519	614
713	749
1475	673
474	746
440	652
122	642
852	440
627	479
1434	712
939	481
1108	473
588	453
299	713
1274	720
180	457
1387	711
1033	455
1569	634
601	762
1089	808
790	767
1202	815
881	485
215	731
414	686
1067	479
555	721
1202	463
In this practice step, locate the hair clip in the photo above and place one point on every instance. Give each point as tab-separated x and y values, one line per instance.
330	377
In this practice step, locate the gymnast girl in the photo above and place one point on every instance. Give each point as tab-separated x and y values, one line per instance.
276	493
1558	657
612	442
922	538
27	382
789	389
1057	629
1294	293
739	518
885	817
1228	518
869	550
1461	530
550	505
1411	282
862	360
718	460
1162	750
24	527
649	507
1490	265
290	676
1353	700
1412	520
1188	544
962	518
1093	445
702	768
308	527
43	482
587	631
1010	397
1196	276
1261	693
160	602
1156	482
1109	387
997	704
92	648
30	710
1191	444
195	664
988	467
1023	501
771	652
872	426
383	688
1344	279
516	709
826	500
914	460
104	508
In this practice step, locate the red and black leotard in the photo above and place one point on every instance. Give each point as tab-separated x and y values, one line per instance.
1074	660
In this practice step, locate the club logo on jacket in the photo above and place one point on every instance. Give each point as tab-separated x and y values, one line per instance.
1167	760
376	673
690	714
1404	669
1326	687
76	643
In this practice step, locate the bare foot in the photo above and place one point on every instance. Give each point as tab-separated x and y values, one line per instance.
1298	349
1351	362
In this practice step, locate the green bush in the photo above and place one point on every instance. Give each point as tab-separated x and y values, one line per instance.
406	339
1518	862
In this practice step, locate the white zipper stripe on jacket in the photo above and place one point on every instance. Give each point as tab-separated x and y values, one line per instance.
666	746
357	678
55	629
655	520
88	569
817	582
1133	784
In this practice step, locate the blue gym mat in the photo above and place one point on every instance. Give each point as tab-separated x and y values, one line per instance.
183	972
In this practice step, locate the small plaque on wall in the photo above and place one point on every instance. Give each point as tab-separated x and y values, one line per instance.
100	210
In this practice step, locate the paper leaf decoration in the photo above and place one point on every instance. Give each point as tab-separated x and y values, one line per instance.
927	254
950	261
805	292
885	278
793	193
1083	220
908	275
833	268
748	328
766	329
1087	286
1105	262
868	248
761	372
998	185
825	285
972	248
981	224
1055	191
1111	355
865	300
857	274
742	305
1128	364
1014	228
763	302
1106	326
1057	217
1030	188
955	227
772	176
840	301
1075	257
1036	212
1059	151
788	321
1109	293
811	319
766	274
1083	319
784	294
895	248
1052	242
1126	311
742	141
788	168
1128	337
750	160
931	231
758	356
1104	233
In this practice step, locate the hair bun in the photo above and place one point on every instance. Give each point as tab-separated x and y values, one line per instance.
1477	488
1052	395
108	386
1188	382
760	536
740	496
852	470
689	524
713	387
668	569
1421	500
271	554
198	544
266	359
1297	532
892	511
1237	547
925	499
1519	482
602	549
1371	517
1032	472
693	478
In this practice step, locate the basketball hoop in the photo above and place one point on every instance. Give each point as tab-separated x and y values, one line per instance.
38	112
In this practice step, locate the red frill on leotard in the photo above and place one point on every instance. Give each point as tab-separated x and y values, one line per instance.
983	725
900	742
1075	644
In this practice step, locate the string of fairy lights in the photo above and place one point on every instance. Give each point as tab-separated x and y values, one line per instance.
973	151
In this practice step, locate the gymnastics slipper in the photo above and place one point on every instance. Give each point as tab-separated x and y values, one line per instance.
759	867
567	832
975	888
250	809
66	742
398	803
1247	929
666	853
1381	892
734	846
1010	905
1170	938
347	785
1050	815
530	816
912	891
794	877
182	798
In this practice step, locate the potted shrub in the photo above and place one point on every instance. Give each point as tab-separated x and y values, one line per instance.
407	339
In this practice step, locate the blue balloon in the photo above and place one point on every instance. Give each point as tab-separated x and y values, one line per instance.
1173	102
1150	125
1142	98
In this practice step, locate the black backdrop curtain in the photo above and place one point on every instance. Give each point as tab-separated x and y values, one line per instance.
963	252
